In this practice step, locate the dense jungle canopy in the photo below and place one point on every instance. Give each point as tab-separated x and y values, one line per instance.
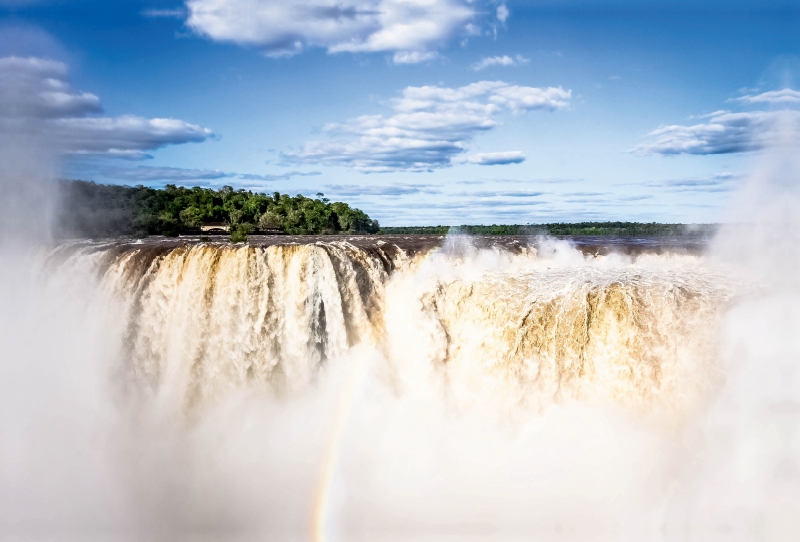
88	209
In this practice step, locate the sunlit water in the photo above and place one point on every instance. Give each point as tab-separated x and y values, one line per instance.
363	390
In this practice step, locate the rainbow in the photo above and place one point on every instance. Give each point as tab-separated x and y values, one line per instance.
333	450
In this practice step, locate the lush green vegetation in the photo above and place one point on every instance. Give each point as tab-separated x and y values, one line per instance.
96	210
581	228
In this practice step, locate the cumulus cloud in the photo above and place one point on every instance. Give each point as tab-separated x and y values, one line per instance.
176	13
502	13
37	87
176	174
398	189
278	176
156	173
472	202
719	182
496	158
430	127
35	93
585	194
785	96
505	61
724	133
521	181
280	27
122	135
727	132
520	99
413	57
503	194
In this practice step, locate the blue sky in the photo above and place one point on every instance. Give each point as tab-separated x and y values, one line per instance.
416	111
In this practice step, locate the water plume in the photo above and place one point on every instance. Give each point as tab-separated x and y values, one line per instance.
747	480
332	391
56	473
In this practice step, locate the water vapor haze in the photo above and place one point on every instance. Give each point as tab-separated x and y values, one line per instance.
347	391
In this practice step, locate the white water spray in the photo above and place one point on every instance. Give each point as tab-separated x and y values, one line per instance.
332	392
307	392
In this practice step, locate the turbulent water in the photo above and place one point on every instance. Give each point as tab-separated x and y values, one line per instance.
371	390
202	320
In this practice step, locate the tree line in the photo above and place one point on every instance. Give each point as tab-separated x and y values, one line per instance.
579	228
95	210
88	209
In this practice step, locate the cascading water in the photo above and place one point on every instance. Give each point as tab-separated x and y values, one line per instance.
339	391
206	319
532	331
202	320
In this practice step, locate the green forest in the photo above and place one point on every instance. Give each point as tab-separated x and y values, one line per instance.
95	210
579	228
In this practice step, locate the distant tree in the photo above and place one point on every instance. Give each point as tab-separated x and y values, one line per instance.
235	216
239	232
191	217
269	220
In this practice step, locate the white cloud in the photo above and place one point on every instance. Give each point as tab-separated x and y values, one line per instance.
502	194
785	96
399	189
176	174
37	87
521	99
122	134
724	133
430	127
719	182
413	57
284	27
176	13
502	13
505	61
496	158
156	173
35	94
278	176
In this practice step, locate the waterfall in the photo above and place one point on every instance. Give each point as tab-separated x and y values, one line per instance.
203	320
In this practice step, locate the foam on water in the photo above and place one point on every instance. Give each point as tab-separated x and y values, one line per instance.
337	392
